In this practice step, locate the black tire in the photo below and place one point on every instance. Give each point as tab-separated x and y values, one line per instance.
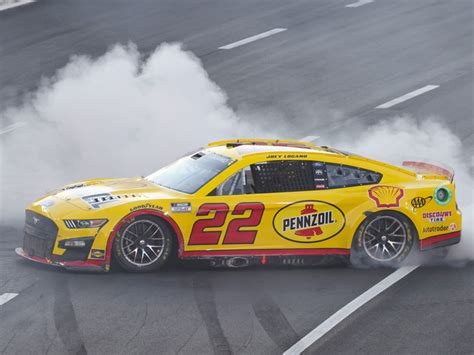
143	244
383	239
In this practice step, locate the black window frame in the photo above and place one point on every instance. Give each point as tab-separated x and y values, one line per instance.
316	179
378	174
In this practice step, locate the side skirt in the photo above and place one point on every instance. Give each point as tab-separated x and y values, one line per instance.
295	257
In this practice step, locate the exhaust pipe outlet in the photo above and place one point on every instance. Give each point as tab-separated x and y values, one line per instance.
237	262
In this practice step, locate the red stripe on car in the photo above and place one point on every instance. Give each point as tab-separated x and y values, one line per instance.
425	243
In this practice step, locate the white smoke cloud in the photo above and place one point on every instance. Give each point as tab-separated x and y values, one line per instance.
123	115
117	115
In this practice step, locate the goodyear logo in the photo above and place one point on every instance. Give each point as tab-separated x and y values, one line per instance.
309	221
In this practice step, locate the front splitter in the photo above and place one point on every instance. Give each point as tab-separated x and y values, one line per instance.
89	265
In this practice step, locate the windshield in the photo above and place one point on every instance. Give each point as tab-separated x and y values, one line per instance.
189	174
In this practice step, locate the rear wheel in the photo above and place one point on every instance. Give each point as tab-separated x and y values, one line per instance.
143	244
383	239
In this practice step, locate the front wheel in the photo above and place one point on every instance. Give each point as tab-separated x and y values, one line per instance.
383	239
143	244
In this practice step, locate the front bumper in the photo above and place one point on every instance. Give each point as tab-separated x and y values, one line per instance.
41	241
88	265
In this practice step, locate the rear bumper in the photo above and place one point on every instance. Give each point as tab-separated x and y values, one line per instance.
442	240
87	265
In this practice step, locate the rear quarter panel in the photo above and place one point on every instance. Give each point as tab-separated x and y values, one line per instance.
430	217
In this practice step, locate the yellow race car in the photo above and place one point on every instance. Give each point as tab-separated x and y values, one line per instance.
241	202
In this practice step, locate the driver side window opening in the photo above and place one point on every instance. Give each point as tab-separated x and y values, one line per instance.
241	183
268	177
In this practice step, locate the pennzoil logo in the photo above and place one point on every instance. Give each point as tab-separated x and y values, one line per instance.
309	221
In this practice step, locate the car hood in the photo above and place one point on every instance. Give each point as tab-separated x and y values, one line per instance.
105	193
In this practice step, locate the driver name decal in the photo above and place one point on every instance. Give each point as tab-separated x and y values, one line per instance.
309	221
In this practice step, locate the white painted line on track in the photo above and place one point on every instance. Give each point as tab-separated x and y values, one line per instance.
318	332
5	5
4	298
408	96
253	38
12	127
360	3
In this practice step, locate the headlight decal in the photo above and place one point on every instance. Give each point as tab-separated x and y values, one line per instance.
84	223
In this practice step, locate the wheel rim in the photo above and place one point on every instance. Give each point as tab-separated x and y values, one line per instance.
142	242
384	238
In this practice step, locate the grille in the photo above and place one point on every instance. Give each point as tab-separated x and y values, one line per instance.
35	246
40	235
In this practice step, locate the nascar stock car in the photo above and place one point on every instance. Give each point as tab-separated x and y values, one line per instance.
241	202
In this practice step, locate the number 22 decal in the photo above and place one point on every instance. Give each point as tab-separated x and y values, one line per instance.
233	235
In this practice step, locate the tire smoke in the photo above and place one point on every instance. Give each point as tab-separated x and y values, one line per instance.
114	116
406	138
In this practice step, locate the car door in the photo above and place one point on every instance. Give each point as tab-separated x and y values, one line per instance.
229	218
255	208
304	215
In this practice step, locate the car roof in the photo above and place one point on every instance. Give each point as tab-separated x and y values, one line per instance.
244	147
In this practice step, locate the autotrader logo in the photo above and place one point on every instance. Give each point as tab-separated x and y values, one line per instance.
435	229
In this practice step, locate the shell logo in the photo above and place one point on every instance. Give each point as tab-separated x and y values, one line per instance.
386	196
309	221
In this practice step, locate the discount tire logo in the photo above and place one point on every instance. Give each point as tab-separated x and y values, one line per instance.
438	216
309	221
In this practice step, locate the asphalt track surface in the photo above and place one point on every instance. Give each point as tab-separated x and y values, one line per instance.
349	58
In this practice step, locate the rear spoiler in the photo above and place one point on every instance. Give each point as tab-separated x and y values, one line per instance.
427	168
